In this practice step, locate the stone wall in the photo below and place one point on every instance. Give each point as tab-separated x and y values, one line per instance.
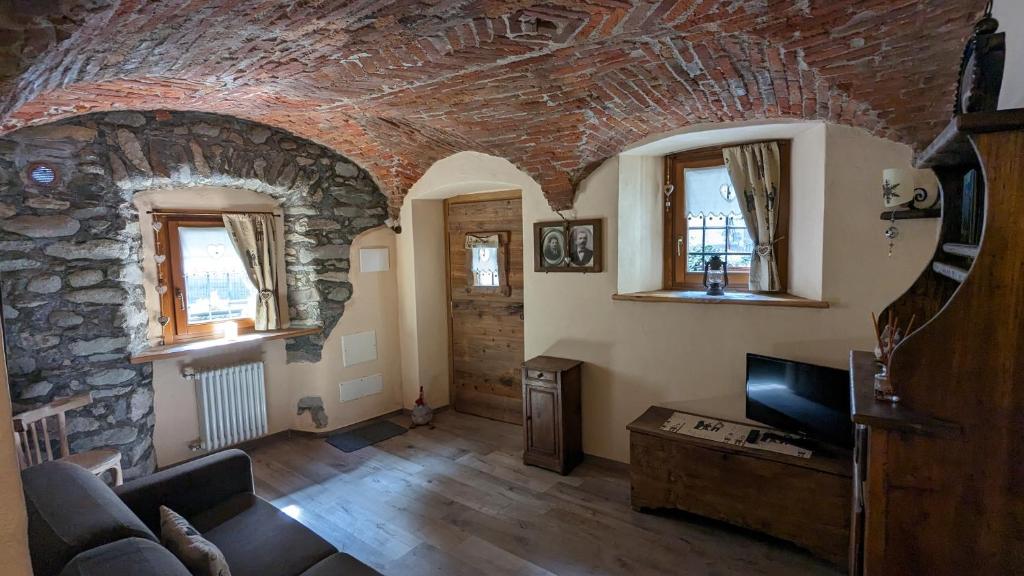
73	298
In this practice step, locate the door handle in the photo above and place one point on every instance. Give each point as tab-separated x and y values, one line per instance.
679	245
181	299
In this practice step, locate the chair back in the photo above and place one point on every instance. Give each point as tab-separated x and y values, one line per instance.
33	435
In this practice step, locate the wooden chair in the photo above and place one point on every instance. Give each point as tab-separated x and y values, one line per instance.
32	439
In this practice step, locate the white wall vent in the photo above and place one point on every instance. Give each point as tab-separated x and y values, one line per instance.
354	389
374	260
359	348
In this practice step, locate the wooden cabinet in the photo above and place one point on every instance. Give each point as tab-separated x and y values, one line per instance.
804	501
940	483
552	413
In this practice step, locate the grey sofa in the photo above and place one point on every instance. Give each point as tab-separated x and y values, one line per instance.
80	527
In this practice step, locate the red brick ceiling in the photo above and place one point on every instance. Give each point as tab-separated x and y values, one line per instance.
556	87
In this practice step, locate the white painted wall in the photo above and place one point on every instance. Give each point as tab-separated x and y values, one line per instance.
1010	14
372	307
641	209
637	354
422	302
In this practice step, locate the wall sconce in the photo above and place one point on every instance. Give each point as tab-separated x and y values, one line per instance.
913	189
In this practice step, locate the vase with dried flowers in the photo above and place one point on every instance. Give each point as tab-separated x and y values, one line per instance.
887	338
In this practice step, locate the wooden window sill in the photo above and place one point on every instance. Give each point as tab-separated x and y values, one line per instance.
742	298
153	353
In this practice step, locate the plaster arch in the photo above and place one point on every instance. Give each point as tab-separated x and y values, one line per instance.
422	297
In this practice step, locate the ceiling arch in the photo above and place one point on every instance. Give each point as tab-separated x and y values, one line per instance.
556	87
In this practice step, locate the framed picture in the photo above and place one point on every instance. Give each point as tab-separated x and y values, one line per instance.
568	246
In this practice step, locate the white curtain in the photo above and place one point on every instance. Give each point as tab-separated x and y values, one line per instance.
256	243
755	173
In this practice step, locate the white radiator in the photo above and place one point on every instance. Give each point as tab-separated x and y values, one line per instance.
232	405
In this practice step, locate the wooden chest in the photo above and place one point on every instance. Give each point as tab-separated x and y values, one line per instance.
804	501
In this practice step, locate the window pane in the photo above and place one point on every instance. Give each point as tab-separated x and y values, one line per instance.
738	261
694	240
714	222
695	263
216	285
485	266
739	240
714	241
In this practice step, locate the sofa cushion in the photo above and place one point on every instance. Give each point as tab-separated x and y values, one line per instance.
198	554
128	557
340	564
70	511
258	539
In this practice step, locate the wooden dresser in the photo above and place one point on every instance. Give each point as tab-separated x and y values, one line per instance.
940	479
552	413
804	501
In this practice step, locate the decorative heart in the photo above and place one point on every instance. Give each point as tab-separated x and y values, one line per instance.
160	258
668	190
161	289
763	250
215	250
157	225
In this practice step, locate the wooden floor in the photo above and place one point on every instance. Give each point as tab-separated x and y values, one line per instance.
456	500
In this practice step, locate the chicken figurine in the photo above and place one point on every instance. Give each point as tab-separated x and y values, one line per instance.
421	413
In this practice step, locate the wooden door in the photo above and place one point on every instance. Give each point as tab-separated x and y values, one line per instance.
485	321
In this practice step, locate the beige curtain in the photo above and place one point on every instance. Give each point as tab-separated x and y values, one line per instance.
256	244
754	171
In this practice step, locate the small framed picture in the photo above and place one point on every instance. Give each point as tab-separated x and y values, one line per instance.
568	246
550	244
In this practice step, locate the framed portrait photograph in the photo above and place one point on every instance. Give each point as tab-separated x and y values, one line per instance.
568	246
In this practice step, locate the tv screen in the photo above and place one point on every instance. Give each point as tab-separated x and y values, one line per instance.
797	397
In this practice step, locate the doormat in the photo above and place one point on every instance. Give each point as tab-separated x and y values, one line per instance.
364	436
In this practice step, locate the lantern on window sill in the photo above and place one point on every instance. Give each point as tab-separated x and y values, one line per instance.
716	276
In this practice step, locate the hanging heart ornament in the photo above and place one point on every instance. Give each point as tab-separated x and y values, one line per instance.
160	258
161	289
763	250
668	190
157	225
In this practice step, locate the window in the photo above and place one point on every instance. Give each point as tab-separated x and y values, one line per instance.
202	281
486	263
703	219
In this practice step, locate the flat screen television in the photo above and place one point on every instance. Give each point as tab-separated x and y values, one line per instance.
802	398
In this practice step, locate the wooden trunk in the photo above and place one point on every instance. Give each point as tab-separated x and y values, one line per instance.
552	414
804	501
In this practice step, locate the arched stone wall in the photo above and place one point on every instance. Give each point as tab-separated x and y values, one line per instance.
69	253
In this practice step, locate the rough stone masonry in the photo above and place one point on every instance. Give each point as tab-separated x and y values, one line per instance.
70	271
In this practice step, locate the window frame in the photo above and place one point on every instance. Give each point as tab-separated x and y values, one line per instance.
675	273
171	271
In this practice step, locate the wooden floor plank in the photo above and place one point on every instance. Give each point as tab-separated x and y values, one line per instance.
455	499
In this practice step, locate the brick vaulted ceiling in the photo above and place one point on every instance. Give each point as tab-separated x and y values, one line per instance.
556	87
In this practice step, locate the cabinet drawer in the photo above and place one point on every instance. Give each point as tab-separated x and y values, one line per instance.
545	375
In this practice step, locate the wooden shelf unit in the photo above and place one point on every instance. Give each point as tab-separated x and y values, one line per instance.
938	474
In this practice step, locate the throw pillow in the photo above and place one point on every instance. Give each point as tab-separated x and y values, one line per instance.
199	555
